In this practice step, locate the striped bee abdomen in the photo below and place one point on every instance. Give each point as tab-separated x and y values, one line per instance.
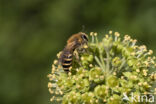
67	61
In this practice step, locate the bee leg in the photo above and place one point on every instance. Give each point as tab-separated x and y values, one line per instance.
83	49
76	54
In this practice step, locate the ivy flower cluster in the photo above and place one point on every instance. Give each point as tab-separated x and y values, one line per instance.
105	71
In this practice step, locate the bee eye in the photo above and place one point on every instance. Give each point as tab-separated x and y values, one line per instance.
84	37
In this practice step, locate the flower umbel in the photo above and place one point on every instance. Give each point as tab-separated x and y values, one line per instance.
105	71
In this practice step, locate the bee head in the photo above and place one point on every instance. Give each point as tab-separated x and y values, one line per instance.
84	37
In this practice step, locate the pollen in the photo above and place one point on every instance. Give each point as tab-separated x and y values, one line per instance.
134	41
77	70
133	53
95	34
117	34
58	99
143	48
150	52
74	96
69	73
90	65
97	76
61	92
52	98
111	98
106	36
96	101
145	93
91	33
114	73
56	92
145	83
49	85
70	68
82	58
55	62
59	54
122	77
91	101
104	100
110	32
101	77
85	46
140	84
81	75
138	70
51	91
126	38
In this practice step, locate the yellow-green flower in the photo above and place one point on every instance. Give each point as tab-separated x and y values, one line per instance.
104	71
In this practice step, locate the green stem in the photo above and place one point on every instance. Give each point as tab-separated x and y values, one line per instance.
99	63
102	60
107	61
97	42
92	39
122	64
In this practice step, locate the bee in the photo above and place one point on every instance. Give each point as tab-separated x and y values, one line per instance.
74	42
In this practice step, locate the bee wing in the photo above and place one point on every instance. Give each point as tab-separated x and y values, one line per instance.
68	49
71	45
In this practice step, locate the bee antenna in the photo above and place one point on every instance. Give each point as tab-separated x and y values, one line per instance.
83	28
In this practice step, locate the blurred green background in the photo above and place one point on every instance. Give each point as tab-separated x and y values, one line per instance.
33	31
